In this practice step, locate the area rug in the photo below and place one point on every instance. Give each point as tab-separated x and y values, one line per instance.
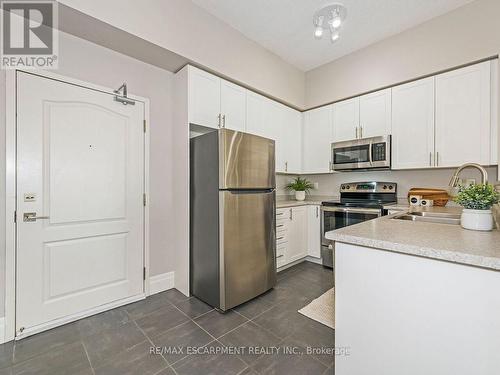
322	309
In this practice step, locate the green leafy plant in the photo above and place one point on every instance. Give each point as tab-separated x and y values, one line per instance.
300	184
477	197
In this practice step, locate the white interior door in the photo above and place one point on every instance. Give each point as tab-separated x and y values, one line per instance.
80	169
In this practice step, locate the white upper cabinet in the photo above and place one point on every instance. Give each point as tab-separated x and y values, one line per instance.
346	120
233	105
204	98
413	125
258	115
375	114
463	113
293	140
362	117
215	102
316	140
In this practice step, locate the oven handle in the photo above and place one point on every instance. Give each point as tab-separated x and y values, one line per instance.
353	210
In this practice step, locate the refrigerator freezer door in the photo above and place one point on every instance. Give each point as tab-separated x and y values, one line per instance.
247	247
246	161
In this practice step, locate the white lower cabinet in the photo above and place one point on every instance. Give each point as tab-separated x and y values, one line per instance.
314	231
297	234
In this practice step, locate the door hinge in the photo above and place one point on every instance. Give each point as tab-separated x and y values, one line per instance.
15	216
144	199
144	126
144	273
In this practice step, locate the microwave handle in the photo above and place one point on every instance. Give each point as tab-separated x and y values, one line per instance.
370	157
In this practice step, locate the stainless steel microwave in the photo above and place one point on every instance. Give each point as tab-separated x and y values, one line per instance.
360	154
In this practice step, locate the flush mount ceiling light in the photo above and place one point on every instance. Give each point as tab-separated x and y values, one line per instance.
330	17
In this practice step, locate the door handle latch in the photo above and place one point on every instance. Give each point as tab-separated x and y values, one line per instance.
31	216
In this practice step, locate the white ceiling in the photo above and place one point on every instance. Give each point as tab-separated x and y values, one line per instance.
285	27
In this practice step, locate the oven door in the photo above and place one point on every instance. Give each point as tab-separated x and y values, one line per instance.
364	153
338	217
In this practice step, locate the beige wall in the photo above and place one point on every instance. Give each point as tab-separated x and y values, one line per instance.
184	28
467	34
111	69
329	184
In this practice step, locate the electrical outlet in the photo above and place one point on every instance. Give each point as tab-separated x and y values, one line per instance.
316	185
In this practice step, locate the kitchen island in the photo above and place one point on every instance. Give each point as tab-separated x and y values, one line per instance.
416	298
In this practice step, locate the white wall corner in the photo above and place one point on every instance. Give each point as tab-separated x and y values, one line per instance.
160	283
2	330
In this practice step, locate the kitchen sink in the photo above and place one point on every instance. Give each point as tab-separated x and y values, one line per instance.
430	217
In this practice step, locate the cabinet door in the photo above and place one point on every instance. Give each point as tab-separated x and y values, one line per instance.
297	245
233	105
346	120
463	116
313	231
204	98
276	129
413	125
259	115
316	140
293	140
375	114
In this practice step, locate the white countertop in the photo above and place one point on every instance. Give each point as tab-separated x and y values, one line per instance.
289	200
445	242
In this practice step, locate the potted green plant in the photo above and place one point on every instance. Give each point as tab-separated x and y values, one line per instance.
301	186
477	201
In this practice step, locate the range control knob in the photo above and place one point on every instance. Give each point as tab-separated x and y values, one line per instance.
391	187
342	187
348	187
385	187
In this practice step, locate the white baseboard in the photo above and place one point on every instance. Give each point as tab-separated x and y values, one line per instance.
161	282
2	330
314	260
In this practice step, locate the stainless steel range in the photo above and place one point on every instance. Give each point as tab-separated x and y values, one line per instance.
359	201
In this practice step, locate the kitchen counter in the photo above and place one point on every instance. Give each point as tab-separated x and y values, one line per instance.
445	242
289	201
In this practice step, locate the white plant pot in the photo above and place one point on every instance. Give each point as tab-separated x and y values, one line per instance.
476	219
300	195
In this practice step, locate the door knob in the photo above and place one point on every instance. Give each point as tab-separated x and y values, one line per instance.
31	216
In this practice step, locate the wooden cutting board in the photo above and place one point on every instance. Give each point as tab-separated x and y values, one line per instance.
439	196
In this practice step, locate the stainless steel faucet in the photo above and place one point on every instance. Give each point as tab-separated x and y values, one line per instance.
454	180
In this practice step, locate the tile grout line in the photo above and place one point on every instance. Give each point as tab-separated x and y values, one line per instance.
88	357
151	343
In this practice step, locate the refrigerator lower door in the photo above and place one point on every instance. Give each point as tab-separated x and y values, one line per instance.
246	161
247	245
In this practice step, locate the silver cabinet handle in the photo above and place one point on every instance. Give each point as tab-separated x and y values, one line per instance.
430	159
280	225
360	132
280	238
356	132
219	123
286	166
330	168
291	214
223	121
370	156
279	256
31	216
317	211
437	159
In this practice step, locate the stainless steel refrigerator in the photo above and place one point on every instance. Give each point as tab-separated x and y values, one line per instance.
232	217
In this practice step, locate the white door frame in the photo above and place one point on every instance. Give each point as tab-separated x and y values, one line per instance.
10	194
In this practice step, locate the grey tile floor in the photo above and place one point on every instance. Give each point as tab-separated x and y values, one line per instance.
120	341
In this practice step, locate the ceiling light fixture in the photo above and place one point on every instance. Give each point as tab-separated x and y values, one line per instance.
335	14
318	31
